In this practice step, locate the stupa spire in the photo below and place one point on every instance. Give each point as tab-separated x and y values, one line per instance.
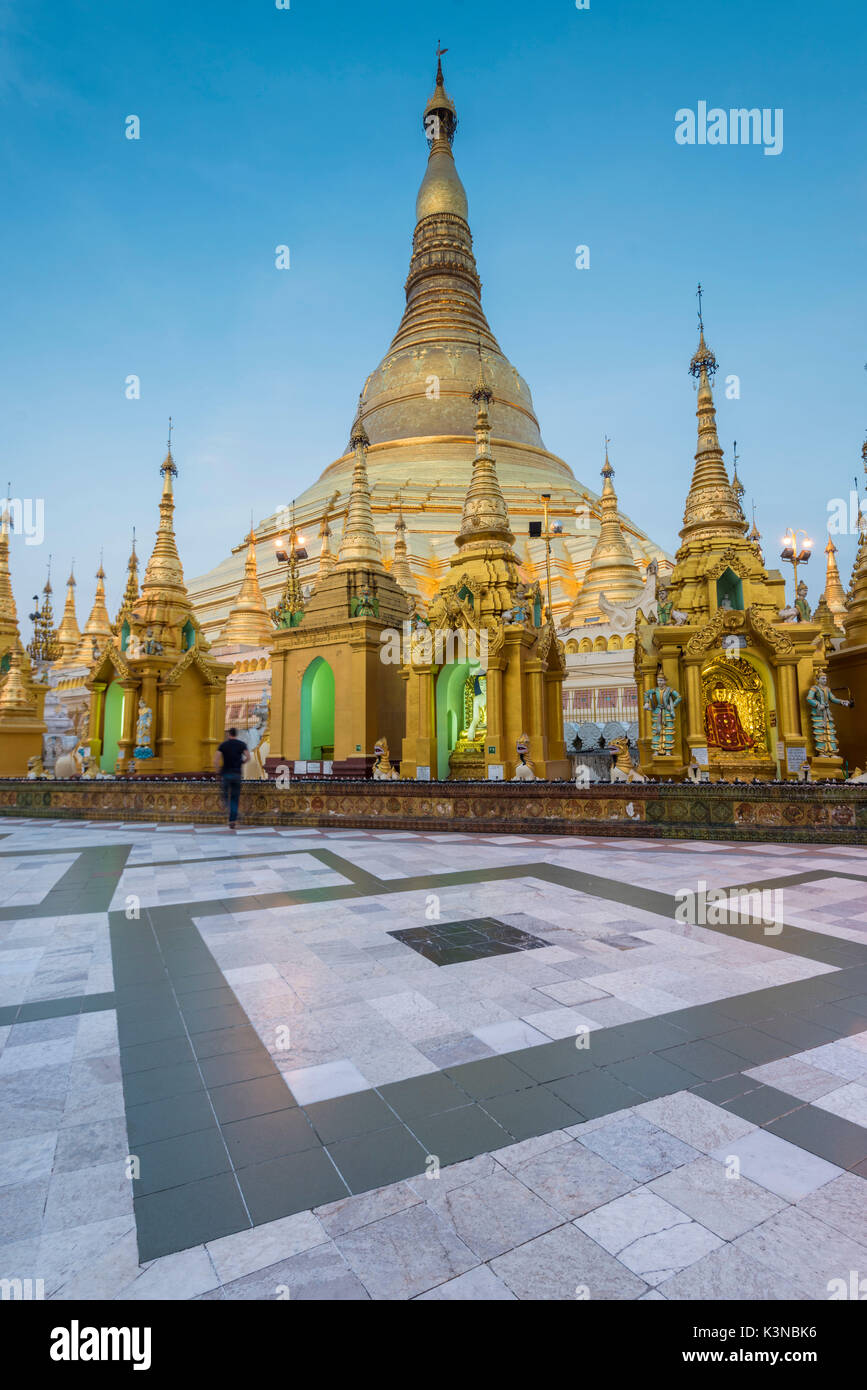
612	570
327	558
835	594
712	507
97	629
248	622
164	576
69	633
485	516
855	618
400	567
8	611
359	544
130	593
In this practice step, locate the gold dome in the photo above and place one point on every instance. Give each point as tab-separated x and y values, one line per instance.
418	414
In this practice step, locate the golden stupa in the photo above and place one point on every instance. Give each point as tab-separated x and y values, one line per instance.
417	411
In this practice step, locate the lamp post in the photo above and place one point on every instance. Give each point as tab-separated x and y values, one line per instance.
290	553
796	552
546	530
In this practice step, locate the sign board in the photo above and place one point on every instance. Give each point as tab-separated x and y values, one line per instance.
300	767
700	755
495	772
795	758
422	774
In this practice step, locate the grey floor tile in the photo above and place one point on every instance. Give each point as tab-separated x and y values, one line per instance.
525	1114
243	1099
594	1093
367	1161
163	1119
228	1067
180	1217
763	1104
349	1116
320	1275
422	1095
706	1060
405	1254
818	1131
457	1134
185	1159
268	1136
652	1076
161	1083
492	1076
295	1182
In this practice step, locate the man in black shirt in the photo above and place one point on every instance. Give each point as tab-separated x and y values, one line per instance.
231	756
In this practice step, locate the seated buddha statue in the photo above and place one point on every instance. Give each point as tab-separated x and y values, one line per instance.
723	724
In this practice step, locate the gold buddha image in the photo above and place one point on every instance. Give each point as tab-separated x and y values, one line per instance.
734	701
468	756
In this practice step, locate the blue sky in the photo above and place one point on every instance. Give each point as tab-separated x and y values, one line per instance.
262	126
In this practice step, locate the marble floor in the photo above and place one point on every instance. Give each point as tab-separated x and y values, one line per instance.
344	1064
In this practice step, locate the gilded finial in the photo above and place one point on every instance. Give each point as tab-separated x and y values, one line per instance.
703	359
358	434
607	470
481	391
169	466
440	52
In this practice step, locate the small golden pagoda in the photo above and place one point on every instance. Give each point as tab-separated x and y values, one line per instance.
612	573
22	700
68	633
835	594
485	672
158	698
130	593
400	566
249	623
333	693
10	638
847	666
724	680
97	629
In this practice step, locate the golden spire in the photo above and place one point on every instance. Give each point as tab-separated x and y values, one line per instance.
400	567
755	536
327	558
835	594
8	611
359	544
69	633
163	582
130	593
612	570
248	622
712	508
15	699
441	189
485	517
855	618
44	646
97	629
737	485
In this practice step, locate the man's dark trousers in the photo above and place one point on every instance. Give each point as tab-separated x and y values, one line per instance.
230	784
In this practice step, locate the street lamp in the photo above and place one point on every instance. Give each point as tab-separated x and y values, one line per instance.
546	531
796	552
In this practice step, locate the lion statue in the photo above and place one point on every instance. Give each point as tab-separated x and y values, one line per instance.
382	768
622	769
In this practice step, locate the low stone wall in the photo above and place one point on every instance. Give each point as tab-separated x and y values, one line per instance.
826	814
